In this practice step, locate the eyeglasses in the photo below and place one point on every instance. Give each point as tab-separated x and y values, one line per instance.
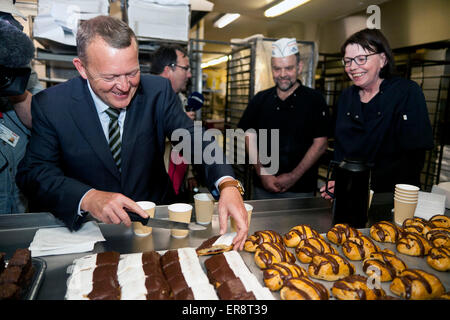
185	68
359	60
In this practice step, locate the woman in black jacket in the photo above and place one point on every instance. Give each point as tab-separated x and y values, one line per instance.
381	118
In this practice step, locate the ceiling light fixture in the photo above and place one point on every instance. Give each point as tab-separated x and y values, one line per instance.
214	62
283	7
226	19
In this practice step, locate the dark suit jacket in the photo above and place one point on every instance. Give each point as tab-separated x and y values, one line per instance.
68	153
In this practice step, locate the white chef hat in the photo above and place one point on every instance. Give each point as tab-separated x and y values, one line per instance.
284	47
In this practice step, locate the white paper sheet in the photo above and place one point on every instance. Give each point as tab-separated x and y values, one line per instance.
52	241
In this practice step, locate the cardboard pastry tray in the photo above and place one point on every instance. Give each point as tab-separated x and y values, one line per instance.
411	263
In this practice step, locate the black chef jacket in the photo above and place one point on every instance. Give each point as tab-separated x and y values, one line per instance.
391	131
300	118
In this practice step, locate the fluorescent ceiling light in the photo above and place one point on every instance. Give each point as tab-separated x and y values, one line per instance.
214	62
226	19
283	7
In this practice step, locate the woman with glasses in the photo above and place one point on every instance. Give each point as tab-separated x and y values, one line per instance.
381	118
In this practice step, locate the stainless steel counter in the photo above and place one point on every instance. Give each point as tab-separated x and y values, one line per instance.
18	230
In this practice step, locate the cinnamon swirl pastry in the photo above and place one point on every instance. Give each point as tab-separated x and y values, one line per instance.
439	259
445	296
385	264
303	288
276	274
440	221
416	225
385	231
413	244
341	232
417	284
439	237
358	248
308	248
355	287
268	253
299	233
330	267
259	237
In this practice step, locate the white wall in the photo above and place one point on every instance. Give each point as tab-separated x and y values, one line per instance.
403	22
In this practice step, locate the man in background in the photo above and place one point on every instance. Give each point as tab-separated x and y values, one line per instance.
172	62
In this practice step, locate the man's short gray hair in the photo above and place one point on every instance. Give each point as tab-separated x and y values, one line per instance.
114	32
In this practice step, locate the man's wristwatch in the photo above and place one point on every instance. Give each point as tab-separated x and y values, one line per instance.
232	183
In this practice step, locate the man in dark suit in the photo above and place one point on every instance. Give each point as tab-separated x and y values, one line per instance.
71	166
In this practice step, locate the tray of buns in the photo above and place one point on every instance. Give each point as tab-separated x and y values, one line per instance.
21	276
383	262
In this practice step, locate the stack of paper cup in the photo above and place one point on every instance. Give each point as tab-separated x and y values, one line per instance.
405	202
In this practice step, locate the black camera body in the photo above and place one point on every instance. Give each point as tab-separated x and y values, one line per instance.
13	81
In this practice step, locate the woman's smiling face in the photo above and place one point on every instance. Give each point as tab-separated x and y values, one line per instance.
366	75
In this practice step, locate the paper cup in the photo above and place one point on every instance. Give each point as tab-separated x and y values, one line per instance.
204	208
139	229
407	188
407	194
180	212
406	198
249	209
403	210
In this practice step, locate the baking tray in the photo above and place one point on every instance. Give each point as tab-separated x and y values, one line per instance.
30	292
39	266
411	263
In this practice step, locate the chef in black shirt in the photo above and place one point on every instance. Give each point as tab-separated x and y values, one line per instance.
301	116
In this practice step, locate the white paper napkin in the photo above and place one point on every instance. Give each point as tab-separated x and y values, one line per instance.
429	204
52	241
444	189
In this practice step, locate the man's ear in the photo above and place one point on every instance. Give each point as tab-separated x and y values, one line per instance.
80	67
166	72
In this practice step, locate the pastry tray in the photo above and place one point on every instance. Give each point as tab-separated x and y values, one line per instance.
31	291
202	259
39	266
411	263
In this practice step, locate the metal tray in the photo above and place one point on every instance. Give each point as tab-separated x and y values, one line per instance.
39	265
411	262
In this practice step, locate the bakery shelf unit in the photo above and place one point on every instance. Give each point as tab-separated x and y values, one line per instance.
429	66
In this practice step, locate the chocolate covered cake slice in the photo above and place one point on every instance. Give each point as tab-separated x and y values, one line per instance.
107	258
214	245
105	273
234	290
185	294
9	291
12	274
104	290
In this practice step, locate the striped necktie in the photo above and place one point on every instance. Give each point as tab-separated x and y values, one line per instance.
115	144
